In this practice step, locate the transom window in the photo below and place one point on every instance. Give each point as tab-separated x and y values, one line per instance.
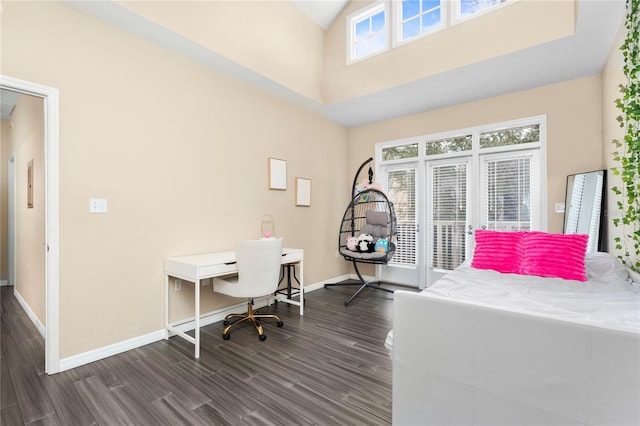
467	8
419	17
367	31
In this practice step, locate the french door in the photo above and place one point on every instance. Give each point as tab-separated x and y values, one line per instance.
449	215
445	186
402	189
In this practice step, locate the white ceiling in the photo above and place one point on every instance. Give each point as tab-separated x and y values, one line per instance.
580	55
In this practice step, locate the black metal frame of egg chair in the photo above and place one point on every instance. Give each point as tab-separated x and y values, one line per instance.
352	221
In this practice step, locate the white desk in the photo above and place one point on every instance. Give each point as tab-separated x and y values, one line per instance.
208	265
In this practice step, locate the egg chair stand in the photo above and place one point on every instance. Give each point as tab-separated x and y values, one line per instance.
369	212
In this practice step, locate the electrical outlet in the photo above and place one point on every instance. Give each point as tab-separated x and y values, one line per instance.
178	284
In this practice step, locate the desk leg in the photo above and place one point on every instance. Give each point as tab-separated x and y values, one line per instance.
166	306
196	331
301	287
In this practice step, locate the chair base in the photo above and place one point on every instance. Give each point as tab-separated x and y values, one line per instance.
361	282
251	316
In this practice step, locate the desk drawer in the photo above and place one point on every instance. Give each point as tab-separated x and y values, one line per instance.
208	271
292	257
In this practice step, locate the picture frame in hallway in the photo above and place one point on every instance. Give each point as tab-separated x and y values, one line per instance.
30	185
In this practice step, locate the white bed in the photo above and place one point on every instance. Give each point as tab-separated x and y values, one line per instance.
482	347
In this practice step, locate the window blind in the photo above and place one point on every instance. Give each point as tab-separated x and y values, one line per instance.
507	204
401	186
449	186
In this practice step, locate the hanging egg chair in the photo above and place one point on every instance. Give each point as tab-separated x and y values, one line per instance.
368	233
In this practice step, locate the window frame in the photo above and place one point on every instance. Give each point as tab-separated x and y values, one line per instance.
455	11
449	11
357	16
397	23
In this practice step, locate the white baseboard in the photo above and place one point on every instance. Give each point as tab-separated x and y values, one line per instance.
32	316
186	325
4	283
110	350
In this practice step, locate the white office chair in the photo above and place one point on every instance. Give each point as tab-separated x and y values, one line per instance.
258	275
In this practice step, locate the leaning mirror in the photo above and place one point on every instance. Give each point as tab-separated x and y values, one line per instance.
585	207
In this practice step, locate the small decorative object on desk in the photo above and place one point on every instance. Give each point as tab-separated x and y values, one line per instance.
267	229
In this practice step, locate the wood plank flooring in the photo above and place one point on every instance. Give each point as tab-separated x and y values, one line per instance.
328	367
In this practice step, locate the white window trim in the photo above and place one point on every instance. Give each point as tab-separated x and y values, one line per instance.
397	23
450	9
369	10
455	18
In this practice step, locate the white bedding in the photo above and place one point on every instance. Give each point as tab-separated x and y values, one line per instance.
518	350
608	299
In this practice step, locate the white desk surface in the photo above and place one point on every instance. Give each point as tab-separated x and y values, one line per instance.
196	267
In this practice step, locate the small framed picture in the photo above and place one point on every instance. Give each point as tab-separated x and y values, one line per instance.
277	174
303	192
30	185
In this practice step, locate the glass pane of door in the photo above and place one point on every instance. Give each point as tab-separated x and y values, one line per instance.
400	184
448	211
507	192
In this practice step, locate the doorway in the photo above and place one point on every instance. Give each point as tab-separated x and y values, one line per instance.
50	97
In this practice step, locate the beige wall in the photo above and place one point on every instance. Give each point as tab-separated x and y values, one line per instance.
573	111
24	135
180	153
515	27
612	77
273	38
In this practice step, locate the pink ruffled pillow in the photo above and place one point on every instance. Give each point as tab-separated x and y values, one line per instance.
500	251
554	255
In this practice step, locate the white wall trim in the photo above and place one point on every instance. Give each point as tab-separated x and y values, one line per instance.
32	316
110	350
4	283
51	98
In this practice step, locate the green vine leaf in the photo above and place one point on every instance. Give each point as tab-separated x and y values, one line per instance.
627	151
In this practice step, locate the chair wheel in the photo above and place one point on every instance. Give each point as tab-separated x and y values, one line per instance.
279	323
263	337
226	336
225	322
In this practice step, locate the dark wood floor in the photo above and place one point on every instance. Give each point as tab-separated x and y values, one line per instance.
327	367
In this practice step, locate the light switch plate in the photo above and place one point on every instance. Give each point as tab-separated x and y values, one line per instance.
97	205
559	208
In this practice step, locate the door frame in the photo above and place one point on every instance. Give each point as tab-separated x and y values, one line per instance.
51	102
11	219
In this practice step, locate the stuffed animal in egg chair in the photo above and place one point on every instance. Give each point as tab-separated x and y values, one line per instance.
365	243
352	243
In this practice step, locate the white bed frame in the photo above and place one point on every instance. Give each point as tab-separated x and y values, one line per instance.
455	363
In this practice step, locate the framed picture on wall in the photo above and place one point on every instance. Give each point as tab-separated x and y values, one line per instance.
30	185
277	174
303	192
